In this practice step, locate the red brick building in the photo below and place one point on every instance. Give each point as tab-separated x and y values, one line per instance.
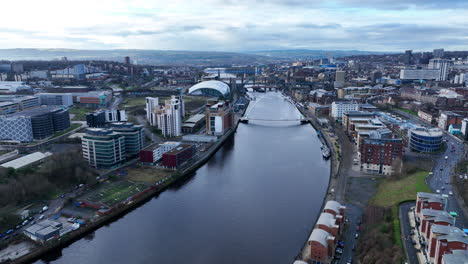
334	208
380	151
437	231
329	223
431	217
177	156
446	244
430	201
321	245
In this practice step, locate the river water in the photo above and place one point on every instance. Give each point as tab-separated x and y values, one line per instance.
253	202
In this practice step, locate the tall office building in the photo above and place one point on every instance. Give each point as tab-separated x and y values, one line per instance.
127	60
376	77
182	106
169	118
408	57
442	65
152	104
340	76
438	53
103	148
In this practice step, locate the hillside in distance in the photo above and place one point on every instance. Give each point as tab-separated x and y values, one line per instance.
152	57
169	57
312	54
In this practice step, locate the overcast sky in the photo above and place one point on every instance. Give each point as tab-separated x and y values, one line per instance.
235	25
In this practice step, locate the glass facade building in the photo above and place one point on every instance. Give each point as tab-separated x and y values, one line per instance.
425	140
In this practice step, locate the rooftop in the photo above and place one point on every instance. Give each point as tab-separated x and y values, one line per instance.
26	160
456	257
320	236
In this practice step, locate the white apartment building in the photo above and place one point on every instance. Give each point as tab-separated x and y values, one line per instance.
169	119
152	104
443	67
341	107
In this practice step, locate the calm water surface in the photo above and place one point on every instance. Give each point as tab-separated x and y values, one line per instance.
253	202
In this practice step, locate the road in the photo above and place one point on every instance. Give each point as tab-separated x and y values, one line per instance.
443	169
440	180
406	232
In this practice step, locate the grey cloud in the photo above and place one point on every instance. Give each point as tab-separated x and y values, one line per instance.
315	26
373	4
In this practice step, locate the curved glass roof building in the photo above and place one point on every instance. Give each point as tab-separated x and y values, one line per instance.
425	140
210	88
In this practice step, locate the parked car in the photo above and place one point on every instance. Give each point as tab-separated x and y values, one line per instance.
41	217
451	193
9	231
71	220
356	235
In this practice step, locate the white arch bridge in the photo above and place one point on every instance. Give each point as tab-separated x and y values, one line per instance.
302	120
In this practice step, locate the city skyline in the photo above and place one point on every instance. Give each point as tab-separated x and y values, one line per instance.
225	25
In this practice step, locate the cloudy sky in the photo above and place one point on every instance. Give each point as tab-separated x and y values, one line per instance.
235	25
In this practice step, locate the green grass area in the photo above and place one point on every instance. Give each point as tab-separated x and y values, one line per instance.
411	112
72	127
113	193
80	113
393	192
147	174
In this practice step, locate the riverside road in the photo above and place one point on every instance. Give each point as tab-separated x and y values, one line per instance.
254	201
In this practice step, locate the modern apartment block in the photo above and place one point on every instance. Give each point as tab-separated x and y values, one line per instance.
133	134
169	118
34	124
422	139
106	148
10	104
103	148
219	118
93	99
448	118
338	108
154	154
100	118
380	151
63	99
152	104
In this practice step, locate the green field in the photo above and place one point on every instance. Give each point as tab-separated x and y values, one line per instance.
411	112
113	193
393	192
80	113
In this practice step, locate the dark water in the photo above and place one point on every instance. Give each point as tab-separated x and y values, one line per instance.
253	202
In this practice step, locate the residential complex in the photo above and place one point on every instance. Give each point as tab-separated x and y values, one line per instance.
169	118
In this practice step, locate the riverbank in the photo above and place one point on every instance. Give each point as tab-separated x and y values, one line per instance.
334	180
124	208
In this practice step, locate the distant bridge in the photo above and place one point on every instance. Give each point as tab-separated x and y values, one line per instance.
302	120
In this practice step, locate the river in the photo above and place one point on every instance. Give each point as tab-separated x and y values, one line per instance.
253	202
